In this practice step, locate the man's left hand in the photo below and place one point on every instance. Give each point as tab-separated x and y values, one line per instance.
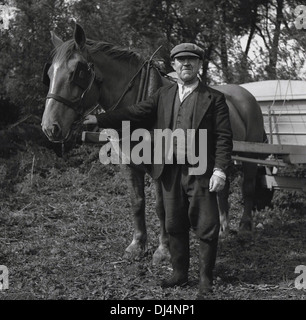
216	183
90	119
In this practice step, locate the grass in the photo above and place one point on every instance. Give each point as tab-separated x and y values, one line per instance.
65	223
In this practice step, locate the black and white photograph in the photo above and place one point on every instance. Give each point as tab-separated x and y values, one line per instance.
153	153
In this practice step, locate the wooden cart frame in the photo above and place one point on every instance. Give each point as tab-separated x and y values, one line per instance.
270	156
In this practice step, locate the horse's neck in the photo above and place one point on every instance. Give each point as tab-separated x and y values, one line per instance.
116	88
113	77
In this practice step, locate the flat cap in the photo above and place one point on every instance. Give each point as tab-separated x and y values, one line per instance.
186	49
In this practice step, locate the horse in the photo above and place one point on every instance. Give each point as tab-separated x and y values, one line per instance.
83	72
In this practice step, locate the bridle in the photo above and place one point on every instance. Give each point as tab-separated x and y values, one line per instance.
84	69
75	104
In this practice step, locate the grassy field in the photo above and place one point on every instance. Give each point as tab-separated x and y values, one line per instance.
65	223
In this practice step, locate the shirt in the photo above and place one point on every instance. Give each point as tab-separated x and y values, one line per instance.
186	89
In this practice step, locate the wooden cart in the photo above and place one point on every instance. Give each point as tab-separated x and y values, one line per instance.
283	105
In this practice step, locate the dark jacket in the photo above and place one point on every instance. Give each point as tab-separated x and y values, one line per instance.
211	113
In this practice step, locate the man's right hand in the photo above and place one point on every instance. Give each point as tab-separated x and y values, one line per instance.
90	119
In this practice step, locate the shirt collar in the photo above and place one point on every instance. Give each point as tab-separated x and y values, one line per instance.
186	89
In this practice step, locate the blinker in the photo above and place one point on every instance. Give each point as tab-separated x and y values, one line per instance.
81	75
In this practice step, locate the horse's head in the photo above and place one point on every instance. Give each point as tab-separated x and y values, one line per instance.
70	77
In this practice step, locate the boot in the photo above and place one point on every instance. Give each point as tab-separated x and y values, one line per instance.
207	260
179	251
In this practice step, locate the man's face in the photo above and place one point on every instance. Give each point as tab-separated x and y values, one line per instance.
187	67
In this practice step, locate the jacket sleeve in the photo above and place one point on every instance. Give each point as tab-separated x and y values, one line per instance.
142	114
223	135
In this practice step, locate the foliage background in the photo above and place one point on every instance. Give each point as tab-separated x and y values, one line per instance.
272	47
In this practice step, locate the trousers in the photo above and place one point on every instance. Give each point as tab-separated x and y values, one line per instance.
188	203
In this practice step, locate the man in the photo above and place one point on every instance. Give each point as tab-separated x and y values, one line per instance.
189	200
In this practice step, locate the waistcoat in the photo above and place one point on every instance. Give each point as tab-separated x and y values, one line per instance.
182	119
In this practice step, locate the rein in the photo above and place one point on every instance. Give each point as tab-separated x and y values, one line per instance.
141	87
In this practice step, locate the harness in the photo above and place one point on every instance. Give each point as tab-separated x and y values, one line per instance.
84	76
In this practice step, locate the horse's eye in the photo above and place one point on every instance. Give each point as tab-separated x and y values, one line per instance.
81	75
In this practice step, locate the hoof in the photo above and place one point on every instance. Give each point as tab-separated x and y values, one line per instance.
245	233
161	255
205	290
134	251
174	281
133	256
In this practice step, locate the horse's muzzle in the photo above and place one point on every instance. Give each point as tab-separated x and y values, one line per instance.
53	132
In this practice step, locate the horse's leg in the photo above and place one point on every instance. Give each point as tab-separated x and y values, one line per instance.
222	198
162	252
135	181
248	193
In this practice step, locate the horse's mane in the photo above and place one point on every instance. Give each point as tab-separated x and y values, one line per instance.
64	51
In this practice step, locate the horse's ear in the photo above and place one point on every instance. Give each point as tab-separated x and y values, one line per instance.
79	36
56	40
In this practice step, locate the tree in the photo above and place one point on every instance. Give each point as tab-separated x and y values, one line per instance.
143	26
27	46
